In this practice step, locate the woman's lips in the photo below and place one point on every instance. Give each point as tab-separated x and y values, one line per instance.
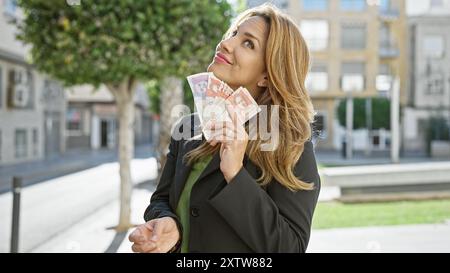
221	59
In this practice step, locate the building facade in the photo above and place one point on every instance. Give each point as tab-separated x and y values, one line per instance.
429	73
32	105
92	121
357	47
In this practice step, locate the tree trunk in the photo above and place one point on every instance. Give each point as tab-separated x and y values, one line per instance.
124	95
171	95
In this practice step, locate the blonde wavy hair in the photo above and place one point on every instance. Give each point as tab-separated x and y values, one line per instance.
287	63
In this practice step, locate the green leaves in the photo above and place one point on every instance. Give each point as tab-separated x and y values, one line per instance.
106	41
380	113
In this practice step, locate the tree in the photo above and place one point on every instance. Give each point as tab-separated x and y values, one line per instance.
118	43
211	19
380	113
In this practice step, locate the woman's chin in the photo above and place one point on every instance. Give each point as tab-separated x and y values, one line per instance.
214	69
211	67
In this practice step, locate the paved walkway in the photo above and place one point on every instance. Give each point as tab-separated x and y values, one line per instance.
93	234
55	206
430	238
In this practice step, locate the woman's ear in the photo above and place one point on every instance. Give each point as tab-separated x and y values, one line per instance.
263	81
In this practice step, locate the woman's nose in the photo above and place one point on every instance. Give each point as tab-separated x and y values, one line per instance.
226	45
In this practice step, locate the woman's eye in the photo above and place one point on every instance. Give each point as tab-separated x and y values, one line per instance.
249	44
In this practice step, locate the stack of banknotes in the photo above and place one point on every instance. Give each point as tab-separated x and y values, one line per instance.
212	97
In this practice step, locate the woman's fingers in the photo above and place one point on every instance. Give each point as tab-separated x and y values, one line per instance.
157	231
144	247
222	137
136	236
141	234
212	142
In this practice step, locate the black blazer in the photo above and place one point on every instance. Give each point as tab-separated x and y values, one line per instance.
240	216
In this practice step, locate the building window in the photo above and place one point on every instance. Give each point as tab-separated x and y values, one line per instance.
52	92
316	34
353	5
385	35
20	143
10	7
315	5
317	78
435	84
353	36
282	4
352	76
74	121
384	5
436	4
384	80
433	46
19	89
35	142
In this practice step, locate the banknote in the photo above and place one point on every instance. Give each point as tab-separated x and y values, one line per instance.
198	84
242	103
220	92
212	96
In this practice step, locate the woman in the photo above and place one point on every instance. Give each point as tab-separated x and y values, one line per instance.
227	194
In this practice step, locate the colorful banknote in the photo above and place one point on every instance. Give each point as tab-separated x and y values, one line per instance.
212	96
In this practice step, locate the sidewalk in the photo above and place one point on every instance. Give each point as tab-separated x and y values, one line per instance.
70	162
428	238
94	234
55	206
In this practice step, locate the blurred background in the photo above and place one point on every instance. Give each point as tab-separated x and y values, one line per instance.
72	179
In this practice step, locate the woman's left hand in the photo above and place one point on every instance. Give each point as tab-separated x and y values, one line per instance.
233	140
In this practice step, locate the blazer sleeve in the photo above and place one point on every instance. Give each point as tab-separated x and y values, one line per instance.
159	202
276	219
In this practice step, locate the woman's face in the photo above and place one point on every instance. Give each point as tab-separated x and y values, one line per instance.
239	59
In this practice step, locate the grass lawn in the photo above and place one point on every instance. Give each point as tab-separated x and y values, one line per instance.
335	215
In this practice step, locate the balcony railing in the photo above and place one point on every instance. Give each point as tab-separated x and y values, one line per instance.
389	14
388	50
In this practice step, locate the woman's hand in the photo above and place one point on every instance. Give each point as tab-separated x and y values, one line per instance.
233	140
156	236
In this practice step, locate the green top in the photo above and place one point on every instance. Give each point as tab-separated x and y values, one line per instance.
185	198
